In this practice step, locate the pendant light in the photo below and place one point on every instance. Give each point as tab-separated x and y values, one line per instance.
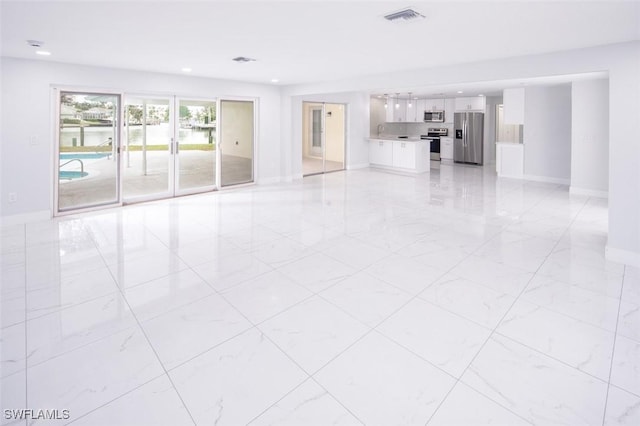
386	99
397	100
409	104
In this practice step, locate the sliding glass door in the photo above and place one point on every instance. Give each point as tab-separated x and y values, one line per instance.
196	146
148	145
323	138
87	166
169	147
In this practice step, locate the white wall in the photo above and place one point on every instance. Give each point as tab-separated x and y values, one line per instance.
335	121
547	133
27	169
377	116
489	153
590	137
624	159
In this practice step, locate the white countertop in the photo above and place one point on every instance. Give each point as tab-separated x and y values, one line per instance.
395	138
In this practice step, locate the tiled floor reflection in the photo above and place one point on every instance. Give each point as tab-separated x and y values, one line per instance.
357	297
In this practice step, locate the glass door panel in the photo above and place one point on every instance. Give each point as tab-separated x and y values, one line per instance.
196	145
236	142
323	137
334	137
312	138
147	149
88	161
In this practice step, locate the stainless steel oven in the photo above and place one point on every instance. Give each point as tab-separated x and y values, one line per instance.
433	135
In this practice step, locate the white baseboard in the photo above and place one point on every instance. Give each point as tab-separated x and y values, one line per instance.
20	219
627	257
357	166
588	192
547	179
503	175
405	172
269	180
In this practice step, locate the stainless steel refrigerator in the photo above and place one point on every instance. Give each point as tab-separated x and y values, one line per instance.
469	133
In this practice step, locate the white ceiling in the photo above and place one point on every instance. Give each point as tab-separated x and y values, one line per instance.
305	41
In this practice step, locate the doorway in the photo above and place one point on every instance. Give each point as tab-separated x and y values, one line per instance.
236	141
113	152
323	137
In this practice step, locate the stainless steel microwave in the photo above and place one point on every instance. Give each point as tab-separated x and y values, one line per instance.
434	116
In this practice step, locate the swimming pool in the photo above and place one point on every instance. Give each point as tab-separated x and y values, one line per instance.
71	174
83	155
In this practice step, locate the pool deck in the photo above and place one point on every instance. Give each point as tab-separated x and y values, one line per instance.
197	169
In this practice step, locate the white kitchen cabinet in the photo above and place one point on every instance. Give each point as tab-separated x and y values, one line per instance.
404	154
421	107
510	159
513	106
449	109
476	103
446	148
389	111
381	152
434	104
411	111
399	112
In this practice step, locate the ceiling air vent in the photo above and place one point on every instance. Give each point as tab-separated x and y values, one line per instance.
243	59
403	15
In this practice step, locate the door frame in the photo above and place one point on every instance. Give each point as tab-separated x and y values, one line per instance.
55	159
324	141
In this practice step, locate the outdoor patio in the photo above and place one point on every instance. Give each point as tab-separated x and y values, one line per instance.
196	169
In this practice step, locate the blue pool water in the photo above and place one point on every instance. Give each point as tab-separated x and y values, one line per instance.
68	175
83	155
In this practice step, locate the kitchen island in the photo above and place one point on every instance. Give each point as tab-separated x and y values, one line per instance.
402	154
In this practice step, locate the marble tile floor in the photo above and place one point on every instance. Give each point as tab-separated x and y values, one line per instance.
357	297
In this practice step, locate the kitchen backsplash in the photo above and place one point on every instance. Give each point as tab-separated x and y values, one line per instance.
411	129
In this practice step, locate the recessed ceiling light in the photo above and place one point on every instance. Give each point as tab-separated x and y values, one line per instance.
480	94
186	69
43	52
274	80
460	91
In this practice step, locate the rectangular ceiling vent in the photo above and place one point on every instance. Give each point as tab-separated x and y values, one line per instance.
243	59
403	15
